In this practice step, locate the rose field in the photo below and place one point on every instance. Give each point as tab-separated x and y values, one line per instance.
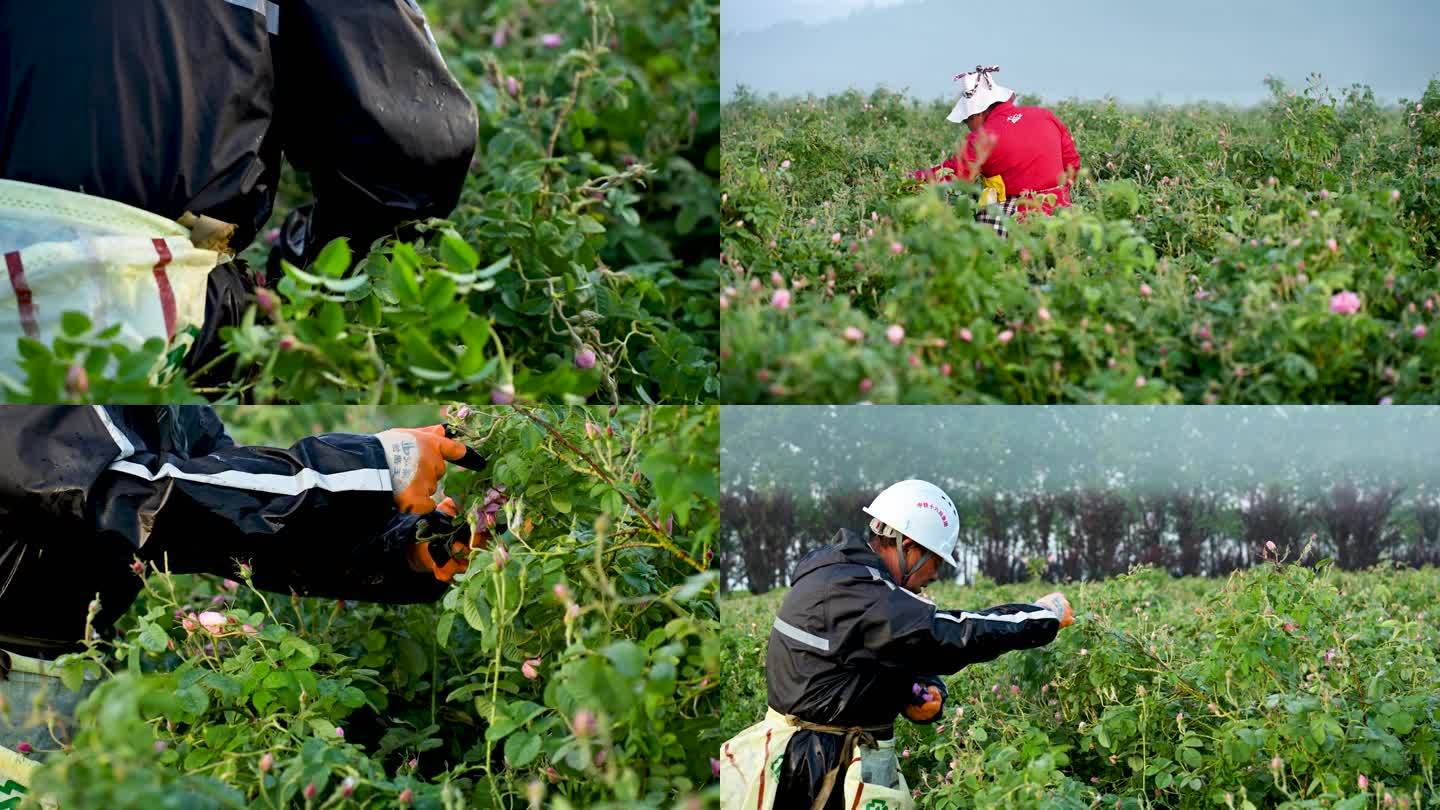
1288	252
578	266
1281	686
575	664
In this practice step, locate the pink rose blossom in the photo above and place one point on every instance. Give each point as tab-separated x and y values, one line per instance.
866	385
529	668
551	40
853	334
895	333
780	299
1005	336
1419	331
1345	303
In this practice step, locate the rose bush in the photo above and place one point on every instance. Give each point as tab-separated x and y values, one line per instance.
579	265
1287	253
1283	686
575	664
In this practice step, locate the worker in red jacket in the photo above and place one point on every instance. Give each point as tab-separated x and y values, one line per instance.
1019	151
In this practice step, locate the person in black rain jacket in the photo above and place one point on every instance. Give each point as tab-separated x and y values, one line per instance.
176	107
85	491
855	645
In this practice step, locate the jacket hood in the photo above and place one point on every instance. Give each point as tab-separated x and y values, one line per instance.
845	548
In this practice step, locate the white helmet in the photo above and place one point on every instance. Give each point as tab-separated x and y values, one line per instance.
978	94
920	511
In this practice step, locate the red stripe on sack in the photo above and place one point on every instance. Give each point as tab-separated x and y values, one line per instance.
764	764
162	282
859	791
23	297
731	757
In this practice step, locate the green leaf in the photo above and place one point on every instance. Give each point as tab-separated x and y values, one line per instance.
494	269
74	324
521	749
442	629
153	638
457	255
334	258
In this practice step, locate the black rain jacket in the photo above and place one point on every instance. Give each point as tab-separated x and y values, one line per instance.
86	489
188	105
848	644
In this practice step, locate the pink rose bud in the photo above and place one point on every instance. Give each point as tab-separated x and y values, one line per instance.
189	623
714	767
914	360
339	732
1005	336
551	40
160	746
288	343
272	236
512	86
138	567
572	612
895	333
230	585
265	300
562	592
965	334
945	369
249	630
866	385
1270	545
584	723
776	279
897	248
1363	782
780	299
502	555
1332	244
502	394
592	430
1140	382
500	37
406	797
835	238
347	787
1043	314
309	791
1276	763
529	668
1145	289
77	381
853	334
585	358
785	164
1395	195
1419	331
24	748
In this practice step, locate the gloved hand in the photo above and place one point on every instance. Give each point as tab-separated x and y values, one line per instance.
928	696
1057	603
421	558
417	459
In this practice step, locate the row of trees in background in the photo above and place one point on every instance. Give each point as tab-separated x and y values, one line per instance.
1092	533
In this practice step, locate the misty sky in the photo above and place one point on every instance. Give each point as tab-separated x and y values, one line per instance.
1132	50
1142	449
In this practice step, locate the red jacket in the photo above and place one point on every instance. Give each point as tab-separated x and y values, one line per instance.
1031	151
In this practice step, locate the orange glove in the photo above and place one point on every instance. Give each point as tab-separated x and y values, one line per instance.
417	459
1057	603
420	558
932	701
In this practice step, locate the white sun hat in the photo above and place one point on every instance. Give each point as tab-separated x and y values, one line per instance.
980	91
